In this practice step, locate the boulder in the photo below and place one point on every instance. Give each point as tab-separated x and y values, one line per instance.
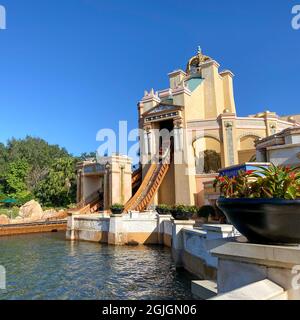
4	219
49	214
31	210
54	215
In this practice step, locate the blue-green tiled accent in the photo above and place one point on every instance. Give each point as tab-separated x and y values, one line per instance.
193	83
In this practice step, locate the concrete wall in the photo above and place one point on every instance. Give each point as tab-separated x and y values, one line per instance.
190	247
284	155
242	264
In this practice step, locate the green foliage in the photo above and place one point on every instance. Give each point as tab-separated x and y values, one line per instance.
277	182
117	206
87	155
59	186
15	181
37	153
182	208
273	182
206	211
10	212
163	209
29	167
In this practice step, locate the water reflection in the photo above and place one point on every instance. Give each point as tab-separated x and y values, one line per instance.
45	266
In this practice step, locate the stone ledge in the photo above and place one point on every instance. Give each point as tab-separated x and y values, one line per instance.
218	227
260	290
260	254
204	289
195	231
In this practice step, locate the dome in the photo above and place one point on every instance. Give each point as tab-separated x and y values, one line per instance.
195	62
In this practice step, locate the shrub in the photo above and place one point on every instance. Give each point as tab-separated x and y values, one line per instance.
278	182
117	207
206	211
184	208
163	209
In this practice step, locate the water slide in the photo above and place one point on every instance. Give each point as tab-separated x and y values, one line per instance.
150	184
91	204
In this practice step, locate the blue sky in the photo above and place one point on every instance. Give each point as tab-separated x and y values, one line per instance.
71	67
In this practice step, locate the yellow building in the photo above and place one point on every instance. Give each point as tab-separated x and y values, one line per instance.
200	104
199	110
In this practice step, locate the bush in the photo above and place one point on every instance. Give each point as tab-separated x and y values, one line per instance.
274	182
182	208
117	208
183	212
163	209
206	211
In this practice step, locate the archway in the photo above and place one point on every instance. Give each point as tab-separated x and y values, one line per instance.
207	151
246	148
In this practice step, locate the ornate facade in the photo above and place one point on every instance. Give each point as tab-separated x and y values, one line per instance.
200	104
199	110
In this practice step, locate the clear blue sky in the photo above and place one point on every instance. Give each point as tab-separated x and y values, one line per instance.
71	67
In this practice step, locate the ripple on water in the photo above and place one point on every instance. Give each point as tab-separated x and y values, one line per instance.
45	266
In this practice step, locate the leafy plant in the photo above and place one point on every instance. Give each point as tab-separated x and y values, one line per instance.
277	182
117	207
59	186
206	211
280	182
181	208
163	209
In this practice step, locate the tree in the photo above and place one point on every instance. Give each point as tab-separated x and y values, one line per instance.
58	188
14	183
3	159
87	155
37	153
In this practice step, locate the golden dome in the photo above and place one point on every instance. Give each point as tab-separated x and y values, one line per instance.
195	62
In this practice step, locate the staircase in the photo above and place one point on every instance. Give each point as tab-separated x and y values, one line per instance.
150	185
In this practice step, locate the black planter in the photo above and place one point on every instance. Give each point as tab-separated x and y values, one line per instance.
117	211
181	215
266	221
162	211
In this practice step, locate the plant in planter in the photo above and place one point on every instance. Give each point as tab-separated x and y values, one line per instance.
163	209
205	212
264	205
183	212
117	208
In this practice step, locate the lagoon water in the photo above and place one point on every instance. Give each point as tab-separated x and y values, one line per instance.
46	266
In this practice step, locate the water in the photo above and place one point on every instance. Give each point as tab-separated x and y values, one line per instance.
46	266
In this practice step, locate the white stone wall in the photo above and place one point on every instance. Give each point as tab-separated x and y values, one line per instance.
94	224
199	242
167	227
284	155
141	224
195	243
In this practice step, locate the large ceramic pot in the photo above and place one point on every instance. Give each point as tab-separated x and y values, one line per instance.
162	211
181	215
116	211
266	221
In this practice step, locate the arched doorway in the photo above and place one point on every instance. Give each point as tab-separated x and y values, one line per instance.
246	148
207	151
